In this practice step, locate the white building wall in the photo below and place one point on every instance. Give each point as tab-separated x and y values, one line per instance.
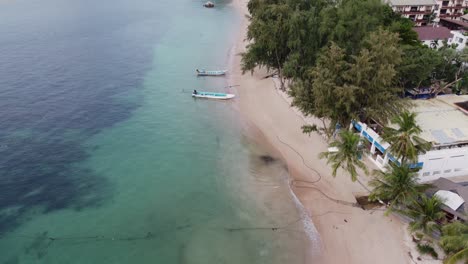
446	163
459	39
440	43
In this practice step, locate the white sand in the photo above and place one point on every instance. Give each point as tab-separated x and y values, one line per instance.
347	234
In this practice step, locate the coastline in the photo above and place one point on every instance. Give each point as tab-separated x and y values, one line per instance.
347	234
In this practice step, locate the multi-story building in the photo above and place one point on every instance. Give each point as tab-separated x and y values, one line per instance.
444	121
424	12
451	9
420	11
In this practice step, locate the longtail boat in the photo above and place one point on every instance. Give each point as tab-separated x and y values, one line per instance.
210	95
211	73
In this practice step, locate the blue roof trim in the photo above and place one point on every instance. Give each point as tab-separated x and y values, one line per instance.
377	145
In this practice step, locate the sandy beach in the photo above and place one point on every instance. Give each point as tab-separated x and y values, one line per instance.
347	234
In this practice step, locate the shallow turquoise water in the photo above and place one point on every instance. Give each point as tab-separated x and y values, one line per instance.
142	172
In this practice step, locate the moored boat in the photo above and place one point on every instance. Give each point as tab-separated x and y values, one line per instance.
211	73
210	95
208	4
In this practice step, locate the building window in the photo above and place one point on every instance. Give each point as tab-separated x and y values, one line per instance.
425	174
460	40
445	3
436	172
414	9
447	171
457	170
412	17
443	11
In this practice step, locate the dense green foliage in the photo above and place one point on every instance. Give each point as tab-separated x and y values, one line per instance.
398	185
427	249
377	52
425	212
349	149
363	87
454	241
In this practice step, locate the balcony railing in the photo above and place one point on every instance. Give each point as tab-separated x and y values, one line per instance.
416	12
450	15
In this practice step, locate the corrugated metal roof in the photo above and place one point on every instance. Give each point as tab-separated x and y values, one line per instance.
432	33
460	190
441	120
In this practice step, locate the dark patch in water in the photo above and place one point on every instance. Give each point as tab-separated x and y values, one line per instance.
39	246
267	159
56	93
12	260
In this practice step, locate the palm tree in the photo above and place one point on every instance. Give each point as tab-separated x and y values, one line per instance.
454	241
425	212
397	185
404	140
350	149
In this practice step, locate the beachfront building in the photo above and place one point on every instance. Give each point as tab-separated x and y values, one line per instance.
433	37
444	121
459	38
419	11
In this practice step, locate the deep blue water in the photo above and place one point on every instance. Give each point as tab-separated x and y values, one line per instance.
61	64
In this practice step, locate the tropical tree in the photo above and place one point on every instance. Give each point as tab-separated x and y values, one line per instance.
362	88
351	21
454	241
324	95
398	185
404	140
347	152
452	71
268	36
426	213
418	67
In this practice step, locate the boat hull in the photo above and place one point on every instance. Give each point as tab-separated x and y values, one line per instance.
216	96
211	73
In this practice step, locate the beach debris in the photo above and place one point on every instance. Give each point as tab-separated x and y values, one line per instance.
208	4
267	159
365	204
346	221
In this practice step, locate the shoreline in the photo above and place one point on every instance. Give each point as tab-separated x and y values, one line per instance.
346	234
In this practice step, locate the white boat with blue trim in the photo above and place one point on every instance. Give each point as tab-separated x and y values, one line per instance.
210	95
211	73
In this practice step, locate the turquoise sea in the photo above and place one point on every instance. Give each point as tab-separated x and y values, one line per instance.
106	158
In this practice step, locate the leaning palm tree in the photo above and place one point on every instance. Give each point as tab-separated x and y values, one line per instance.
398	185
404	140
454	241
425	212
349	149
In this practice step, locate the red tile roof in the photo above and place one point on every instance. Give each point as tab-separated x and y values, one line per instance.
432	33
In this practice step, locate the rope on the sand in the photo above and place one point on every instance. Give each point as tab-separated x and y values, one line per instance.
303	161
294	182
